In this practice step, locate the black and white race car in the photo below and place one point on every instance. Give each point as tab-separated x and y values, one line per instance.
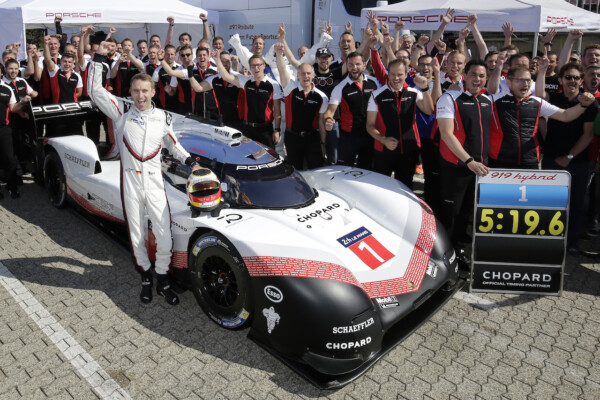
329	268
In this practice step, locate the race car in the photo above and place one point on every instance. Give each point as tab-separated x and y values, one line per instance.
329	268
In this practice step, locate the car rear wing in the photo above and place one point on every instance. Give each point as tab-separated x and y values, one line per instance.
62	110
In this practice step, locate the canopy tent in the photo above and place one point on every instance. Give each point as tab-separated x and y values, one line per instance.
524	15
150	15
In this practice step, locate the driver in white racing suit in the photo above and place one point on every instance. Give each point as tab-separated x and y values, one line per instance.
141	132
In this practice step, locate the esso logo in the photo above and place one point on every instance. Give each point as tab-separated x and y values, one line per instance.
273	294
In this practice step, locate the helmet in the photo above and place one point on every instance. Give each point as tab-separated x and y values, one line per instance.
204	190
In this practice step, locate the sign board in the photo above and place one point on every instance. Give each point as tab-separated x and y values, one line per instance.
520	228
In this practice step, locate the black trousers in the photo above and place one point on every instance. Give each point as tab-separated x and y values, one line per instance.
355	149
458	201
304	147
432	193
402	165
7	157
260	134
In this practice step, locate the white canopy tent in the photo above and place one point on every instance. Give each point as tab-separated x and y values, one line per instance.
144	17
524	15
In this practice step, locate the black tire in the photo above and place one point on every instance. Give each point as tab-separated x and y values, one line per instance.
220	281
54	180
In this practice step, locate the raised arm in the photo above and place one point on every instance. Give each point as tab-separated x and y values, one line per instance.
205	27
203	86
565	53
309	56
286	49
216	55
436	92
540	80
169	38
426	103
136	62
110	105
493	83
47	58
482	48
571	113
437	35
242	53
177	73
284	76
508	31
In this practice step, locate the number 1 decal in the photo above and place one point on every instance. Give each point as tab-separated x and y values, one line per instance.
523	190
362	243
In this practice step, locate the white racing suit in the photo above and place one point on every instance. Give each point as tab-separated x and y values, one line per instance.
140	136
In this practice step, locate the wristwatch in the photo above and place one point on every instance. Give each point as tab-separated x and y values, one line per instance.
570	156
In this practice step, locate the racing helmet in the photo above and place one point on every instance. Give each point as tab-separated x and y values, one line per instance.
204	190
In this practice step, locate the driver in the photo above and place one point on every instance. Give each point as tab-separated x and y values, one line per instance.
141	131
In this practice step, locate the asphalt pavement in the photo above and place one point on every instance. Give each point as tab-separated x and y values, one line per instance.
72	327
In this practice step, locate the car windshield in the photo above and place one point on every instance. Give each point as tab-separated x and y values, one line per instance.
272	185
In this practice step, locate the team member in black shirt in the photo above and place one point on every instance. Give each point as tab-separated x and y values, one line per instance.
464	122
566	145
304	107
229	99
167	96
124	69
7	156
391	122
352	97
263	100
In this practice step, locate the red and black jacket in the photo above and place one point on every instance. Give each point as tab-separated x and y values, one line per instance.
514	136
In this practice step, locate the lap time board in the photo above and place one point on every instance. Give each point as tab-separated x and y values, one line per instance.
520	228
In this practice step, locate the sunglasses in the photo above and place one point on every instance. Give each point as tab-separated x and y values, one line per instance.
186	55
572	77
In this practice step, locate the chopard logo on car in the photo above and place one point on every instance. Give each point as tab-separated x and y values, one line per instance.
349	345
353	328
77	160
273	294
260	166
319	213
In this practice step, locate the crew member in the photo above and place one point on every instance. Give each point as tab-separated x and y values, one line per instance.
304	107
124	69
7	156
391	122
352	96
464	121
167	96
262	109
142	131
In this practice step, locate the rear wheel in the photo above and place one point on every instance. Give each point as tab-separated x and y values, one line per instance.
54	180
220	281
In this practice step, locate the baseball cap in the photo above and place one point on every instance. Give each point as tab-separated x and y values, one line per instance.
324	51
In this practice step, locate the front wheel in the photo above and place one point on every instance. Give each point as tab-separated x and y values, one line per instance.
220	281
54	180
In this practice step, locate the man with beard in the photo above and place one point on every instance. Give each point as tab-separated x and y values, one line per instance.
352	96
566	144
391	122
304	107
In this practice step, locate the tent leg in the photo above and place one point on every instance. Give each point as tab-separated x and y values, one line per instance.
579	42
535	43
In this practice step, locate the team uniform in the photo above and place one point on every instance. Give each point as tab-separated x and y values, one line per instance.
7	156
200	100
44	85
122	81
302	136
396	111
325	82
140	138
93	121
258	107
352	101
230	100
472	115
514	135
162	98
63	89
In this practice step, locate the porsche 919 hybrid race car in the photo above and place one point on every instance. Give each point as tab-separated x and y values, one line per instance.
329	268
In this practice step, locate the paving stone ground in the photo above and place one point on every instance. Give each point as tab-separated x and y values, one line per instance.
521	346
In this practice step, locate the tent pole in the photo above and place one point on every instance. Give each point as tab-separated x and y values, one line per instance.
146	26
535	43
579	42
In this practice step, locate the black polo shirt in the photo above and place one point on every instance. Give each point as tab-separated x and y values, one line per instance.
562	136
302	111
352	101
259	98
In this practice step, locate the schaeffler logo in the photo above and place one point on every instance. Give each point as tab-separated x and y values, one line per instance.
74	15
